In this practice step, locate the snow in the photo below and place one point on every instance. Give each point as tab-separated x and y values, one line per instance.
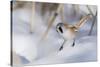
31	48
82	52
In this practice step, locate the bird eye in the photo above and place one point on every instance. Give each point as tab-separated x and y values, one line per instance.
60	29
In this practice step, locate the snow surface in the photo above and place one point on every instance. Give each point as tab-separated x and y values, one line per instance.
29	45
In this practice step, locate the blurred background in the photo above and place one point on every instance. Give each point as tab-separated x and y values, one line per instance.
31	20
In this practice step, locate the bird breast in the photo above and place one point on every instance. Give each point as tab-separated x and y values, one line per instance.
69	34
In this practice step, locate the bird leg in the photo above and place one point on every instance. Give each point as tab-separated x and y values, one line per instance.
62	45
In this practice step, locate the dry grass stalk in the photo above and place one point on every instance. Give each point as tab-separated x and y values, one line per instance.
51	20
32	18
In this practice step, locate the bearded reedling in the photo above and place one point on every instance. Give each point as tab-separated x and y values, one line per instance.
68	32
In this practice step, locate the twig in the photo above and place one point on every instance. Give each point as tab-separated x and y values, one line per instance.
51	20
62	14
90	10
76	9
93	22
32	17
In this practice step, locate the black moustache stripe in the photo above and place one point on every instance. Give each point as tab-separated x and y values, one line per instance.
60	29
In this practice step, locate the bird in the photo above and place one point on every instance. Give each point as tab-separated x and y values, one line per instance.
68	32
